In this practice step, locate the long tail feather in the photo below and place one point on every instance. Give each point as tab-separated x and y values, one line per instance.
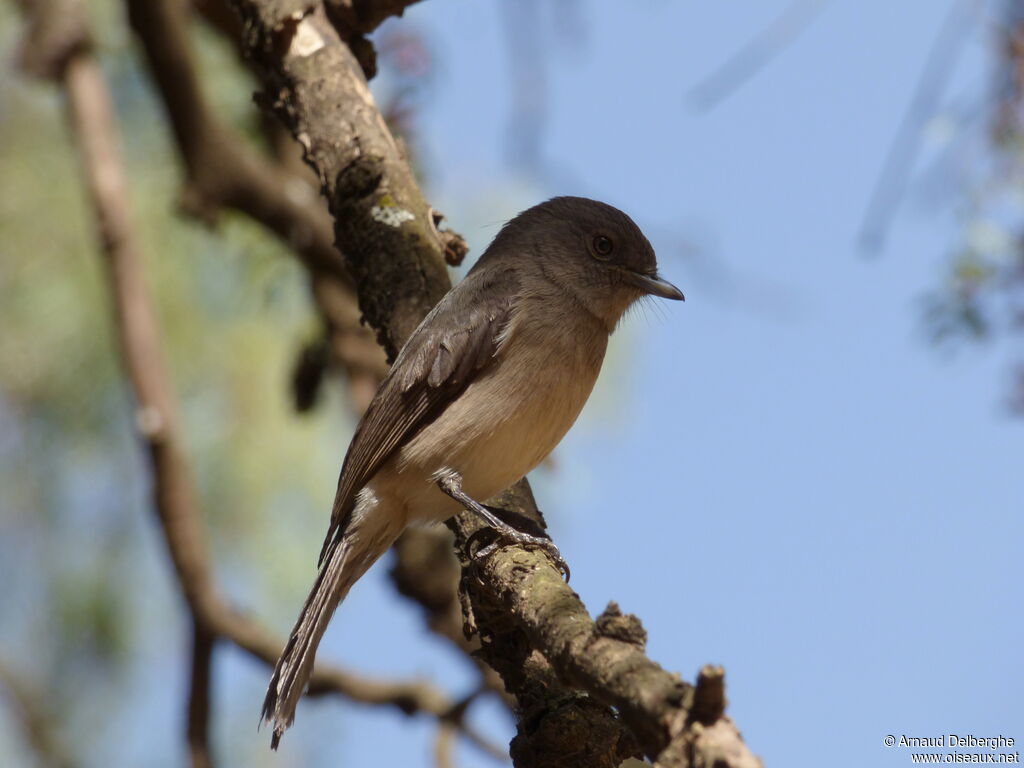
347	558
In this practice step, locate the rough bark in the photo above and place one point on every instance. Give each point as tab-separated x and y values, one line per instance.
381	222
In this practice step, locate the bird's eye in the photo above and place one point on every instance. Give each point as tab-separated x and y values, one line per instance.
602	246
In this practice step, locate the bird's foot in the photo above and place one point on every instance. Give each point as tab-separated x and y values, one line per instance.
450	482
509	535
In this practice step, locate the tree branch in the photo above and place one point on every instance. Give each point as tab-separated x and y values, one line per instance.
755	55
35	721
57	46
382	223
899	161
223	171
364	16
198	713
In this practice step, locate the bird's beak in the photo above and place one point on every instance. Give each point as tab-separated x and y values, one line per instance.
654	284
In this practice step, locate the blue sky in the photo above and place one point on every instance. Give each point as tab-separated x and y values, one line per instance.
782	475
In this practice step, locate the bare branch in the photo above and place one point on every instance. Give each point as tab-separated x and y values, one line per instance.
93	126
756	54
364	16
223	171
36	723
443	744
892	182
198	714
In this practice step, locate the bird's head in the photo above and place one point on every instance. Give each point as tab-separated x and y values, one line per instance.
593	251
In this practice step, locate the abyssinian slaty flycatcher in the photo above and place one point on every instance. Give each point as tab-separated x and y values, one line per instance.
481	393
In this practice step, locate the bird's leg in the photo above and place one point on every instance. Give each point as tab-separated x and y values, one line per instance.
450	482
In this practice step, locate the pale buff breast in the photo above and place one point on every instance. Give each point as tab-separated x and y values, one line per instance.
506	422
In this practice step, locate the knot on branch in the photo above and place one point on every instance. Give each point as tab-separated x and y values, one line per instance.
454	244
360	178
151	423
308	373
57	31
625	627
270	26
200	201
575	732
363	16
718	745
709	696
365	54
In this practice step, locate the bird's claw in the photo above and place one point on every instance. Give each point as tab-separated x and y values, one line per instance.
450	482
512	536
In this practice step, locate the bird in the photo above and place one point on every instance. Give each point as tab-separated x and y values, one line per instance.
481	392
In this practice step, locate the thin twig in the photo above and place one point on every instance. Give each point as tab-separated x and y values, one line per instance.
756	54
444	742
456	720
35	721
899	162
198	714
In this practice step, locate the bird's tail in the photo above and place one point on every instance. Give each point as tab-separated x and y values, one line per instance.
366	538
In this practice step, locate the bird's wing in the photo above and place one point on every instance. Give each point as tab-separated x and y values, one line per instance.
453	344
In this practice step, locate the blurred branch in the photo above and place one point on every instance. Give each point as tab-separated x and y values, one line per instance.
198	714
756	54
443	744
426	571
351	348
93	126
223	171
35	721
892	182
364	16
520	605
